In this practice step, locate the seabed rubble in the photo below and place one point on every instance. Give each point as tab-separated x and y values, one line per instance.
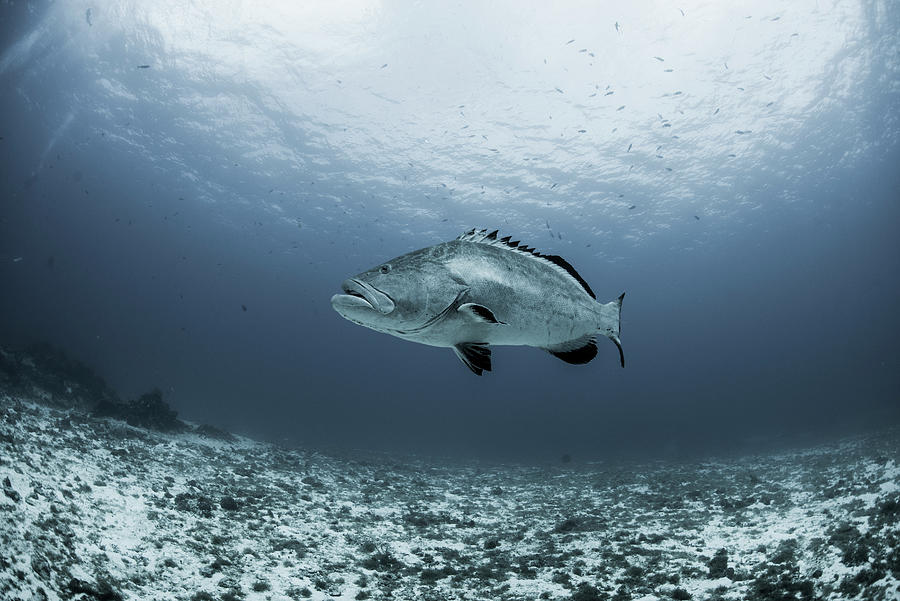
93	508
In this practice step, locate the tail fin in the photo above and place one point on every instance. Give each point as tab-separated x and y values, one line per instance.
611	323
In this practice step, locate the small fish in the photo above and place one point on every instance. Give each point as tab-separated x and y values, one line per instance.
629	147
617	26
697	218
244	308
717	112
143	66
558	90
741	132
726	65
89	17
660	59
17	259
668	70
610	93
570	41
767	77
682	12
632	207
480	290
582	131
620	108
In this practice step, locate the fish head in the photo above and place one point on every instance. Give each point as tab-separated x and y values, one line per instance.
399	296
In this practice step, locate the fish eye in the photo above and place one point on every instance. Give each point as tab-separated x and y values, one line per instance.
385	268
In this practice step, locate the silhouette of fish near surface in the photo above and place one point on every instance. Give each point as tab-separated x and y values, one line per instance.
480	290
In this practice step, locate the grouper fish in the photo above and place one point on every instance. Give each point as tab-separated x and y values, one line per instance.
480	290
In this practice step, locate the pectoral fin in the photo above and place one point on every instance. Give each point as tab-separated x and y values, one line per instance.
478	313
475	355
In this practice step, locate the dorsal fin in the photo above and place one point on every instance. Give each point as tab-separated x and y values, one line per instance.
482	236
568	267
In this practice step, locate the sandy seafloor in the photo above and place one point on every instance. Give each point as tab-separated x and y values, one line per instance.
94	508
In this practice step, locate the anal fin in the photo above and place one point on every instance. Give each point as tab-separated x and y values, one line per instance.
475	355
577	352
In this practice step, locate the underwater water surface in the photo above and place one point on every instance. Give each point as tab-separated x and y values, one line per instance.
186	184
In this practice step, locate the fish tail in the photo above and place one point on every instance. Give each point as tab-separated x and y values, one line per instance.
611	323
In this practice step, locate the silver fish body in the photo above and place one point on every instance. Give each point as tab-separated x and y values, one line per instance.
481	290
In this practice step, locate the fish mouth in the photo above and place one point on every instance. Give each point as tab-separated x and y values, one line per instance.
359	295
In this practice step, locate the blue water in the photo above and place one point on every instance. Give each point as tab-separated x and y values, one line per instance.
185	185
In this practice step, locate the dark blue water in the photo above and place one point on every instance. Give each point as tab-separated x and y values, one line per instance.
184	224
